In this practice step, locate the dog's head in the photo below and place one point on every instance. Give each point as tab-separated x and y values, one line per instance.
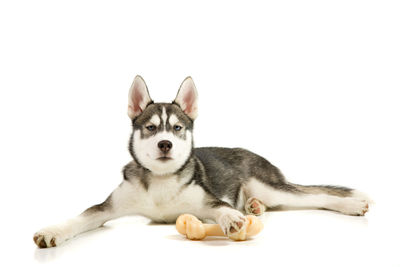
162	139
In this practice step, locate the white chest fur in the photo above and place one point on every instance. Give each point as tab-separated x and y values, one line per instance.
164	200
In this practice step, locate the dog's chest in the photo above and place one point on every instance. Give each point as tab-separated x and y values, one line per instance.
164	192
166	198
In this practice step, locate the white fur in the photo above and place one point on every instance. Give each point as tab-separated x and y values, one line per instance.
227	218
227	200
241	199
163	201
164	116
173	120
155	119
362	196
147	151
70	228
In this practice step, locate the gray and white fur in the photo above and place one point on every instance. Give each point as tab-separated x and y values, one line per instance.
168	176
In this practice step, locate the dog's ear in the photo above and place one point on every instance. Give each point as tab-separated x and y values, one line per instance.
187	98
139	97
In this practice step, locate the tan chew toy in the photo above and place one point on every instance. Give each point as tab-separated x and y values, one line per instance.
194	229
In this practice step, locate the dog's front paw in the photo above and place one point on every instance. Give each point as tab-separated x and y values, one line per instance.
49	237
231	221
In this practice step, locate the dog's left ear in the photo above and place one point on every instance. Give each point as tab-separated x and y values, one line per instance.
187	98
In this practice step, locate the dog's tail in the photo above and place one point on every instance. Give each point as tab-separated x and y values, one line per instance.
339	191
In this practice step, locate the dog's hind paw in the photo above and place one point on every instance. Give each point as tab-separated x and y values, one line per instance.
353	206
254	207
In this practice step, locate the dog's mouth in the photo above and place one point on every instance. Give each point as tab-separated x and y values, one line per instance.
164	158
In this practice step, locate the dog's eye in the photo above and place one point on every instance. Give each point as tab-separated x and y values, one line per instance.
177	128
151	128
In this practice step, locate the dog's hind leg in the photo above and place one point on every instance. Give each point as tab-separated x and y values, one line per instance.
340	199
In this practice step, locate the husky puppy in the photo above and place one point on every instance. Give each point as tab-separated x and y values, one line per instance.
168	177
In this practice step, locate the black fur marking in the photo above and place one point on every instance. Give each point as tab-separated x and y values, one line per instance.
132	151
148	104
140	121
99	207
216	203
176	104
130	147
136	171
198	178
177	111
145	183
224	169
237	195
324	189
186	162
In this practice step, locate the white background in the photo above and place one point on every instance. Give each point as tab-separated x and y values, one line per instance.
310	85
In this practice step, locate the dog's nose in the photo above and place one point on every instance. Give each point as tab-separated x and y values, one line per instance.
165	146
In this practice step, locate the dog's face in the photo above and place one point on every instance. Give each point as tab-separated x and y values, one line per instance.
162	139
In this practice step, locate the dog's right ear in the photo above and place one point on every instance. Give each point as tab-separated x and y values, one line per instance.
187	98
139	97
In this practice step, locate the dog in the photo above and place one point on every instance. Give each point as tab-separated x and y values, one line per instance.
168	176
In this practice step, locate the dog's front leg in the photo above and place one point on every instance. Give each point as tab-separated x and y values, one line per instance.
230	219
118	204
91	218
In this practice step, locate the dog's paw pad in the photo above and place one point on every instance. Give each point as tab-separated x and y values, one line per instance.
232	222
365	209
233	229
39	241
47	239
254	207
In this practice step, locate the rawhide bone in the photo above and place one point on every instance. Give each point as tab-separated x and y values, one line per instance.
194	229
